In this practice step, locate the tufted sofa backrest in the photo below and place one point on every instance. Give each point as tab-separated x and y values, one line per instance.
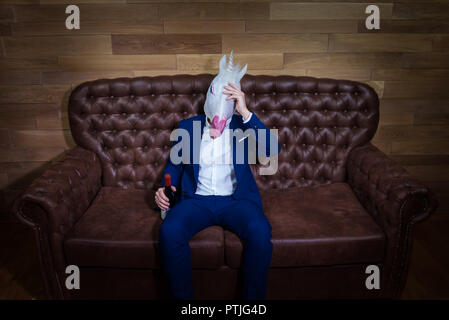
127	122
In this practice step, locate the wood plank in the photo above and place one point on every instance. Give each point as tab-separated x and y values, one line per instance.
378	86
68	77
86	28
365	42
430	173
341	60
254	11
301	26
428	160
117	62
134	13
81	1
277	72
5	29
434	146
275	43
29	64
152	73
20	1
21	174
431	118
156	1
349	74
416	89
213	11
441	42
411	132
6	13
396	119
5	139
300	11
31	154
425	105
28	47
24	116
20	77
294	72
210	61
429	60
17	119
382	146
41	138
410	74
200	26
421	11
33	94
166	44
3	180
407	26
53	120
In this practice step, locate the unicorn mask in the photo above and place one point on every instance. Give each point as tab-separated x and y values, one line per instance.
218	110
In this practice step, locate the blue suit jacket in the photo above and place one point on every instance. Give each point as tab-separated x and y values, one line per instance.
184	176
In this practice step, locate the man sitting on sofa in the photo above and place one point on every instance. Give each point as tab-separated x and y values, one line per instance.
217	193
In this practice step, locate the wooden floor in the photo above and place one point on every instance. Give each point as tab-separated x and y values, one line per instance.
428	277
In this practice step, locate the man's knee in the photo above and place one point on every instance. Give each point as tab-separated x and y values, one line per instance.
171	232
259	230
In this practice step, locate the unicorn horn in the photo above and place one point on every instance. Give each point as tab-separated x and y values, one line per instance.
231	56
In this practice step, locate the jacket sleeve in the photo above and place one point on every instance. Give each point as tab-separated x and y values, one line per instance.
265	140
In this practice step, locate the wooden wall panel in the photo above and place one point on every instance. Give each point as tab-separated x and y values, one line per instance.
335	10
166	44
406	62
275	43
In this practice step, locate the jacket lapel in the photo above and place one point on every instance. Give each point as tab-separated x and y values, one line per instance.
234	125
196	139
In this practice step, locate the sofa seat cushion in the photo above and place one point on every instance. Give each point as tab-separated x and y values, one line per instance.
313	226
121	229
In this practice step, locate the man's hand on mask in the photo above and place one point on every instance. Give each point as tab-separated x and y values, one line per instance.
239	96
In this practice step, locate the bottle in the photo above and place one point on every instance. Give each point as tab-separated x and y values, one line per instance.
170	195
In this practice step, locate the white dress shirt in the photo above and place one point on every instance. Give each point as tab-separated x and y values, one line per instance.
216	171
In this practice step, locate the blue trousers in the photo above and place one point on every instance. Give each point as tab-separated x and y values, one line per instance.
190	216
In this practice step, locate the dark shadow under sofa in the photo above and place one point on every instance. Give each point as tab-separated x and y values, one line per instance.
337	204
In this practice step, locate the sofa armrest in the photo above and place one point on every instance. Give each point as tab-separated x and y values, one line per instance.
52	204
395	199
62	194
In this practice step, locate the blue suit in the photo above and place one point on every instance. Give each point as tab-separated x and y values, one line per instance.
240	212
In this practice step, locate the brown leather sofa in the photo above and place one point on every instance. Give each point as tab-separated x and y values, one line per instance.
336	205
